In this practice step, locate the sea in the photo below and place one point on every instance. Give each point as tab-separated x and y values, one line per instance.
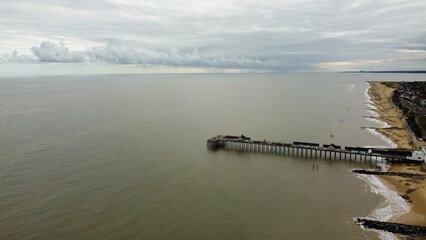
125	157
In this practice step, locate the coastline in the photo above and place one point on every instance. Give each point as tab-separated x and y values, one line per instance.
412	190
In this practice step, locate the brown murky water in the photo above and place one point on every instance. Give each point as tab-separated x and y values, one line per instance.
125	157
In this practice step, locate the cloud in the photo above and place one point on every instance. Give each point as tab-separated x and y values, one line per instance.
50	52
278	35
118	53
115	52
305	56
16	57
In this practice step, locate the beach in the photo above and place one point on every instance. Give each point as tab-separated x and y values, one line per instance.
413	190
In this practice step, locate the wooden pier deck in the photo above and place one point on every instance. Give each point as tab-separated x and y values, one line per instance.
310	150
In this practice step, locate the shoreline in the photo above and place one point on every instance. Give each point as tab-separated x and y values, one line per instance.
412	190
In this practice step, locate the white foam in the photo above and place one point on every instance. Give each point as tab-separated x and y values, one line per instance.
373	113
390	143
366	94
371	106
349	87
369	103
392	206
381	123
375	146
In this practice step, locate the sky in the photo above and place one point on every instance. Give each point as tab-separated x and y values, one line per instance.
139	36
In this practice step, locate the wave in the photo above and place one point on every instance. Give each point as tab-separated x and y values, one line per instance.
381	124
369	103
366	94
349	87
373	113
393	204
390	143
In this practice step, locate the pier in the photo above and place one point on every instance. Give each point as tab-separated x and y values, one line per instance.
312	150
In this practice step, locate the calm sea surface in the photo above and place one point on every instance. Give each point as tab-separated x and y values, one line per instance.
125	157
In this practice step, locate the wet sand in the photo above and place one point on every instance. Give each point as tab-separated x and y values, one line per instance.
413	189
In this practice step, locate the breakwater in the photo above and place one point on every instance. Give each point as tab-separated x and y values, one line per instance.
398	174
398	228
310	150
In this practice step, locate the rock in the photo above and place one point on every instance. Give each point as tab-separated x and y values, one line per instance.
398	228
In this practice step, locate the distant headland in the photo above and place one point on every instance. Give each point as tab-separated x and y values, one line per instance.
362	71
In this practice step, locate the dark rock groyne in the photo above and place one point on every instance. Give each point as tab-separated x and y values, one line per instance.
398	174
398	228
404	161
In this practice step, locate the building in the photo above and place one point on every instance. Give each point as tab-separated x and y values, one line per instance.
419	155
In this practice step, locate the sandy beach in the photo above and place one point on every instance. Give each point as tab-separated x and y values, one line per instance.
413	190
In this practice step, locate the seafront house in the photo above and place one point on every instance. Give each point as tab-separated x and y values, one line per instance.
420	155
